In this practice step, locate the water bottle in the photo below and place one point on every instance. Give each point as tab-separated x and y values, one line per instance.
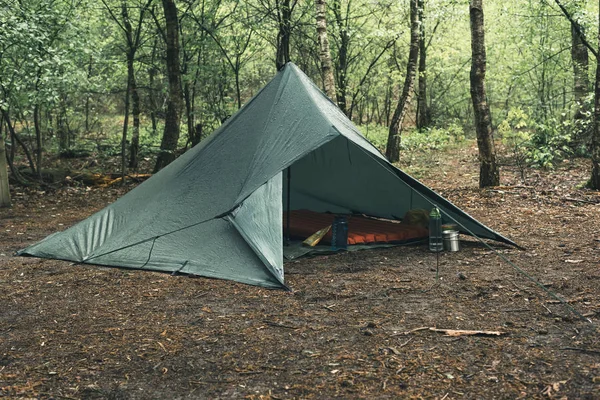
339	233
436	242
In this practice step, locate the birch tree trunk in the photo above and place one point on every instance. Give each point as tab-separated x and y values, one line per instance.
324	51
392	151
173	116
488	169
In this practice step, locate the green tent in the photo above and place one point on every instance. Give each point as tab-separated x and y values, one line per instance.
217	210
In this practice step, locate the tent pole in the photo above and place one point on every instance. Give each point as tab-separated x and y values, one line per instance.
287	227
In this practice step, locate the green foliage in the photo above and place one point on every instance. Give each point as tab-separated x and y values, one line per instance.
534	143
377	134
67	59
549	144
432	138
414	141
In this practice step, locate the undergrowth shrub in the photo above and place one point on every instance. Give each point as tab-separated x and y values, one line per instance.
536	144
414	140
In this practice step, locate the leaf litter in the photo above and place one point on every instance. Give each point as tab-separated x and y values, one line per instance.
355	326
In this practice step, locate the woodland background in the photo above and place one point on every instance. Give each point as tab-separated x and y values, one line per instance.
146	80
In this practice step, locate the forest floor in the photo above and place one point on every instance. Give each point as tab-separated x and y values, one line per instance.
354	326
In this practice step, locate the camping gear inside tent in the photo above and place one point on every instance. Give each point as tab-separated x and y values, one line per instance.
217	211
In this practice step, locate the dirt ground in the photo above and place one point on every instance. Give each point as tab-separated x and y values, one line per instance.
349	328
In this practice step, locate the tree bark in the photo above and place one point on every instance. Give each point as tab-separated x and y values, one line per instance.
595	178
581	82
38	140
423	112
395	131
132	46
16	139
134	147
488	169
4	187
284	17
324	51
173	116
135	112
124	132
342	64
87	98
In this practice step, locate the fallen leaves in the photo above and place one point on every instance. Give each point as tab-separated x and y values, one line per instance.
553	388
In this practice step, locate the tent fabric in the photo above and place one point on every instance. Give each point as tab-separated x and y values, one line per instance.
216	210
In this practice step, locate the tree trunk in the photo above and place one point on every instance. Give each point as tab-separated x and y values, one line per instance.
4	188
488	169
87	98
152	92
595	179
124	132
16	139
581	82
284	16
423	112
38	140
189	114
324	52
173	116
134	148
131	91
393	143
342	64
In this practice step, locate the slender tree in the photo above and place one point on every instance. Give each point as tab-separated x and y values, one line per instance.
395	131
133	42
488	169
423	112
581	81
595	178
324	52
173	117
4	188
343	54
284	22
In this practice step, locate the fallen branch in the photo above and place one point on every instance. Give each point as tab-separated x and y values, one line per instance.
575	300
280	325
423	328
249	372
582	350
580	200
453	332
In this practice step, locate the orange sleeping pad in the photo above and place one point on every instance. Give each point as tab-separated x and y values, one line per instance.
361	230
